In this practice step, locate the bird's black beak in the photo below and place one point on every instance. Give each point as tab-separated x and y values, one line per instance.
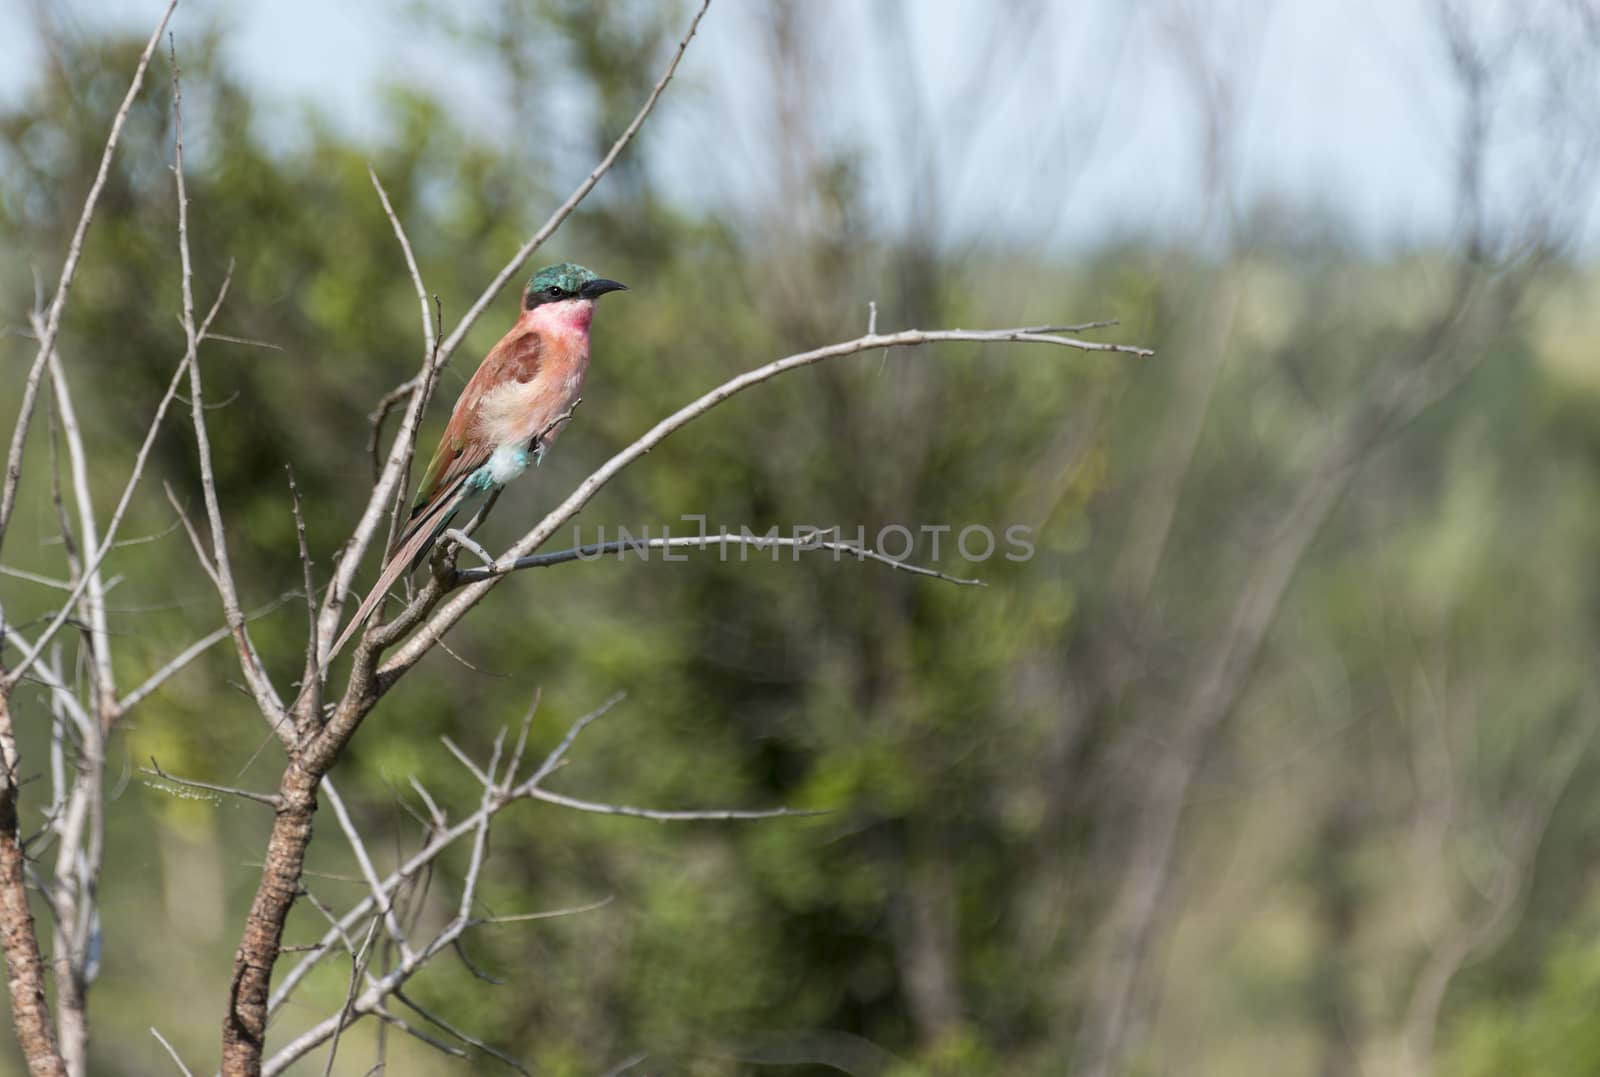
599	287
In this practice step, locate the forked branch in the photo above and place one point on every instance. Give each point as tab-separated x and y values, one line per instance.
438	354
456	607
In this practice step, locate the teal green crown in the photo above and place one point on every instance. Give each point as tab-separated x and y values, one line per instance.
565	276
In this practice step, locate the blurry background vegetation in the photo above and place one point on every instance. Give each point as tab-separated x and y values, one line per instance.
1275	758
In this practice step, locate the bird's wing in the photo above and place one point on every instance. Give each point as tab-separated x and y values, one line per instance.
464	447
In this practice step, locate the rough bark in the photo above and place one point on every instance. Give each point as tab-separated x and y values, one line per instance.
19	940
245	1026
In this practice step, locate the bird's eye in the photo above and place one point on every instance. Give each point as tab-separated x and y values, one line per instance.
553	292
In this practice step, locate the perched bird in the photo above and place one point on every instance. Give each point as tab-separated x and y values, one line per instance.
503	416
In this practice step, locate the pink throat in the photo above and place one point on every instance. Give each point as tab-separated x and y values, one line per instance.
568	317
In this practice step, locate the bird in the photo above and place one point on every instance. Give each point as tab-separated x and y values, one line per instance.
508	414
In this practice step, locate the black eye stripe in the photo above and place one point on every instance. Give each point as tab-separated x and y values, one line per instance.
550	293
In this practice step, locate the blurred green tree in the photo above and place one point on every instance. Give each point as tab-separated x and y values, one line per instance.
1367	825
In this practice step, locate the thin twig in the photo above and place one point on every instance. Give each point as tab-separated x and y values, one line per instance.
626	1064
91	568
178	1061
338	926
480	839
359	846
34	577
385	489
515	762
466	760
438	817
452	610
416	1033
255	675
271	800
549	914
195	541
140	540
423	383
358	966
380	414
313	699
189	654
546	230
411	260
446	836
668	816
69	269
93	602
226	339
466	1038
597	550
553	760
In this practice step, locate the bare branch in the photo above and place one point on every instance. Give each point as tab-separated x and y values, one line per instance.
358	966
178	662
246	341
310	680
368	872
466	963
626	1064
515	762
69	269
140	540
480	837
522	918
339	933
34	577
199	646
452	610
195	541
416	1033
380	414
405	441
93	587
423	384
411	261
434	813
666	816
597	550
245	1023
162	1040
466	760
553	760
464	1037
271	800
444	837
98	555
546	230
255	675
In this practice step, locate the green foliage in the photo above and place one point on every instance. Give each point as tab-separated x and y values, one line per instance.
1550	1031
981	752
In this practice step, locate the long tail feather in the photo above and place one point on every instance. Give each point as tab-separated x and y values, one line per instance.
418	537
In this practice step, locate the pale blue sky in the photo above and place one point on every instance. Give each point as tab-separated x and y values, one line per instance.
1084	124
